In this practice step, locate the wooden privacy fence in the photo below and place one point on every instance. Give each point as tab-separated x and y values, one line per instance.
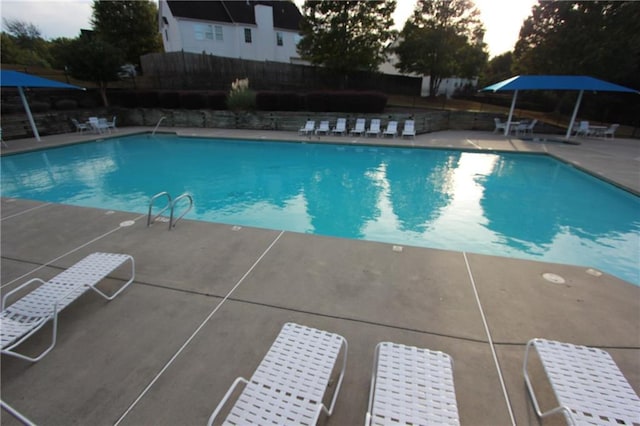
192	71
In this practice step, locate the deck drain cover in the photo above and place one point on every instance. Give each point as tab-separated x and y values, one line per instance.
127	223
594	272
236	228
108	212
162	219
397	249
553	278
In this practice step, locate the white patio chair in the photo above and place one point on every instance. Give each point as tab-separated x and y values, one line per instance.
583	129
499	125
323	128
359	128
112	124
308	128
525	128
411	386
391	130
587	383
99	125
374	128
611	131
409	129
288	386
341	126
22	319
80	127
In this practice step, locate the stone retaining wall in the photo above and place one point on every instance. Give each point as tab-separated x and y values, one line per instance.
16	126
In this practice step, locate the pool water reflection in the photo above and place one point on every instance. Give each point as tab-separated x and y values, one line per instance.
517	205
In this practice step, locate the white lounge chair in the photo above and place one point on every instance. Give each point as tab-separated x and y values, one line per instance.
308	128
323	128
80	127
499	125
28	314
409	129
611	131
99	125
411	386
391	130
359	128
289	384
587	383
374	127
341	127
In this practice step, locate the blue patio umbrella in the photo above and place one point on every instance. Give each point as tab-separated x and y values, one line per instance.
21	80
555	82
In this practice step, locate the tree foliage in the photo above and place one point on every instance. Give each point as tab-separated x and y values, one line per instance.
23	44
345	36
443	38
598	38
129	24
91	58
498	69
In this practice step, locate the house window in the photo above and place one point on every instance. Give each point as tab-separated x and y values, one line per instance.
218	29
203	31
247	35
279	38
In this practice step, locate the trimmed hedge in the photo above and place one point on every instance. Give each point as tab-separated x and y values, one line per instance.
193	100
66	104
279	101
217	100
346	101
318	101
169	100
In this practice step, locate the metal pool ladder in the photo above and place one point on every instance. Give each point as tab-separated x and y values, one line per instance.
171	204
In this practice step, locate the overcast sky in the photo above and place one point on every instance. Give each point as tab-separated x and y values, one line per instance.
64	18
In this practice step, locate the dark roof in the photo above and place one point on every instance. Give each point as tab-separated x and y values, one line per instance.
285	13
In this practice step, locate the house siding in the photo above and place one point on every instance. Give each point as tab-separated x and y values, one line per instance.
178	34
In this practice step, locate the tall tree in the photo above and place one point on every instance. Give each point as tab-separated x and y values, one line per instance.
345	36
131	25
582	37
443	38
90	58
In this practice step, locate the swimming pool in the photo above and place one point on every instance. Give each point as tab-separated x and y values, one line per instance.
527	206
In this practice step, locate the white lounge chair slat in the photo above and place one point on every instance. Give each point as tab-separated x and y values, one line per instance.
288	386
412	386
587	382
30	312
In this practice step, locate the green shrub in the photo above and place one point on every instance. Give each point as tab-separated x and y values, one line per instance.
241	98
66	104
39	106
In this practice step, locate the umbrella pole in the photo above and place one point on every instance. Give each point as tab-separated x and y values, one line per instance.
573	116
29	115
513	104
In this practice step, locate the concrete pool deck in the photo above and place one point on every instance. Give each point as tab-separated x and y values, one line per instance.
209	299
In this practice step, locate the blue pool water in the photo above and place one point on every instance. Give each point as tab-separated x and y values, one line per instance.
515	205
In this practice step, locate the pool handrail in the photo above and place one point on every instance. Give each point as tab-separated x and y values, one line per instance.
169	204
172	223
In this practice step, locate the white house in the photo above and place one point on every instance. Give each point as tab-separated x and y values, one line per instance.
448	86
249	29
